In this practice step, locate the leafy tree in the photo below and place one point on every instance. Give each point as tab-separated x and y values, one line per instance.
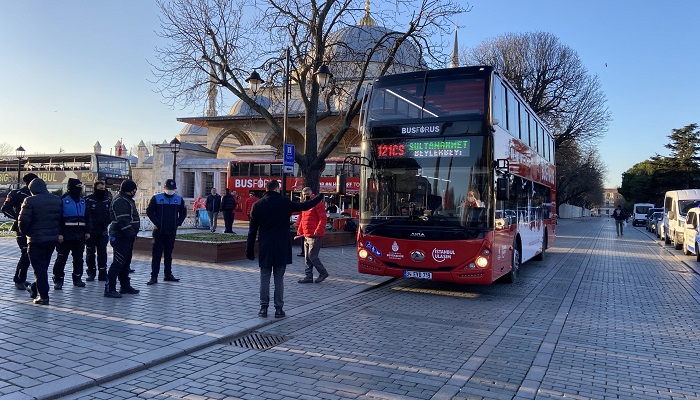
580	177
210	41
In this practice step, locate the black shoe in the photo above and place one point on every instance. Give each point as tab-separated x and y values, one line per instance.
21	285
279	313
32	293
153	281
113	294
90	278
300	255
79	283
171	278
128	290
321	277
102	276
132	270
306	280
58	286
262	312
41	301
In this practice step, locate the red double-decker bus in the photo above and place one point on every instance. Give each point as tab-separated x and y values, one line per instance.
251	176
457	180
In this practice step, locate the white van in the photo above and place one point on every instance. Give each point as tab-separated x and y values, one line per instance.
639	213
676	206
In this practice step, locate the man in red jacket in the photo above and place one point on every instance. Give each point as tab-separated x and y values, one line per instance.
312	226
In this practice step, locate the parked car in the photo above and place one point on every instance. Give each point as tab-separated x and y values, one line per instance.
690	233
650	221
659	226
654	221
676	205
639	213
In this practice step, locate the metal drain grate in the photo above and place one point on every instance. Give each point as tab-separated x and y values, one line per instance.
259	341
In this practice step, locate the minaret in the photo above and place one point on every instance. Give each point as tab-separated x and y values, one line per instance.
454	60
212	92
97	148
143	153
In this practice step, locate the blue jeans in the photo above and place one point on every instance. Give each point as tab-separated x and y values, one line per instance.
619	225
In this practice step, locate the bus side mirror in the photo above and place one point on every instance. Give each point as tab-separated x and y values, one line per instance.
502	189
340	183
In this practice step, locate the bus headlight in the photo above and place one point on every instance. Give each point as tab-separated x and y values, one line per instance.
363	253
482	262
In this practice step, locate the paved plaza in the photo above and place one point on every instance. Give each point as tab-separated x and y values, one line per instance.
601	318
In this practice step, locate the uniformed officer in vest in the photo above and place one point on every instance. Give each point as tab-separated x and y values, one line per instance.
74	231
167	212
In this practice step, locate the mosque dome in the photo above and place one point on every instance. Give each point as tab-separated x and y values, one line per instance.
195	130
241	109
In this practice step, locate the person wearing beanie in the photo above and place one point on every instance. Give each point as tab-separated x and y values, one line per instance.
99	206
11	208
40	221
122	234
167	212
75	231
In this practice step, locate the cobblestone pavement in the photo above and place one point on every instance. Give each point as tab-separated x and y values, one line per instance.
602	317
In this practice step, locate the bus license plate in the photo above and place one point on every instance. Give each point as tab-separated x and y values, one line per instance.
419	275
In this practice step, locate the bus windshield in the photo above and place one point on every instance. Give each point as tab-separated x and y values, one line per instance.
429	98
428	181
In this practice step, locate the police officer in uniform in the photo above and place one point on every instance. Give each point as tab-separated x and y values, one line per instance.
11	208
99	205
167	212
122	234
75	230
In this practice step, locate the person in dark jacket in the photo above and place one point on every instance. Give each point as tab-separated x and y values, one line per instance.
167	212
620	218
75	230
213	205
11	207
122	234
270	216
40	221
99	205
228	205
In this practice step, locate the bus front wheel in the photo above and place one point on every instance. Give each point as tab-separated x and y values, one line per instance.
512	276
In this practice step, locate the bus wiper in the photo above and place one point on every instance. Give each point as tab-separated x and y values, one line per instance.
373	226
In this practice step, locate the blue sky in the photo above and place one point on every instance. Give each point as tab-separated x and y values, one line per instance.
74	72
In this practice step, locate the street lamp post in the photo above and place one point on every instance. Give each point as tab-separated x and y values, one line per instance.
20	155
175	148
323	76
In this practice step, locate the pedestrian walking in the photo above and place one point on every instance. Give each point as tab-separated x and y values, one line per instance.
99	207
228	206
312	227
252	199
75	231
269	222
213	205
620	218
197	207
40	221
167	212
122	234
11	208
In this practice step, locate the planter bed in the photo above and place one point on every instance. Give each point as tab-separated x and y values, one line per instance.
214	252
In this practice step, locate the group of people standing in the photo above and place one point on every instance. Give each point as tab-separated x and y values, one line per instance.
215	204
75	225
70	224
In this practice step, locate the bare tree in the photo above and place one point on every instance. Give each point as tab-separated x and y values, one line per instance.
6	149
552	79
211	41
580	174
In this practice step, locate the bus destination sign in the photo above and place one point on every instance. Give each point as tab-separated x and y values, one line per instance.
424	148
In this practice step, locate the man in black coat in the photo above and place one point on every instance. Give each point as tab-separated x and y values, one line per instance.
228	205
11	208
167	212
271	216
99	206
213	204
122	235
40	221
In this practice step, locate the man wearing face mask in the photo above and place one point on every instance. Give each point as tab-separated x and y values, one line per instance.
167	212
122	234
99	205
75	230
312	226
11	209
